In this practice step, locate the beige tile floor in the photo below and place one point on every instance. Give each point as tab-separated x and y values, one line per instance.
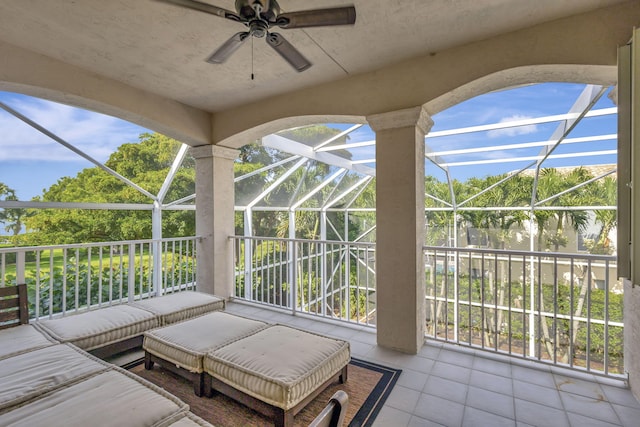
448	385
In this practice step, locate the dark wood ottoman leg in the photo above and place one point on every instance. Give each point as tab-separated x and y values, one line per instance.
148	363
283	418
344	374
206	384
198	384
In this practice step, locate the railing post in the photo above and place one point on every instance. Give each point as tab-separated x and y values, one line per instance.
347	276
131	279
248	276
293	274
156	253
323	277
20	267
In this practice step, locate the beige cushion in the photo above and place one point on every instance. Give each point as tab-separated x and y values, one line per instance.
185	344
112	398
20	339
180	306
27	375
191	420
278	365
97	328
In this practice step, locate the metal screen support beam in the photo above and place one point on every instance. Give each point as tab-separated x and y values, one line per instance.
79	152
587	99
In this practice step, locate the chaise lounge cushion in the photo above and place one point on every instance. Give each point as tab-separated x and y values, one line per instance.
97	328
31	374
185	344
278	365
112	398
20	339
180	306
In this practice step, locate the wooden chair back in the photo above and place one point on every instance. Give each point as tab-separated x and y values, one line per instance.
14	307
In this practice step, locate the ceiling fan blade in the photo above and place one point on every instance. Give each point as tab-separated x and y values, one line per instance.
317	18
288	52
226	50
205	7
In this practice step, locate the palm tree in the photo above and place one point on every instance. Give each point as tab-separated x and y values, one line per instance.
606	192
550	184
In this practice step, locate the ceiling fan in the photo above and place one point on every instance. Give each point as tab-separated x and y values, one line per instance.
259	16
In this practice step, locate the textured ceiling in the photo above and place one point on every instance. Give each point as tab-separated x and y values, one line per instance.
161	48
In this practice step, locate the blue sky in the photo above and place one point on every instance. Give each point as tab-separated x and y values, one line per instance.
31	162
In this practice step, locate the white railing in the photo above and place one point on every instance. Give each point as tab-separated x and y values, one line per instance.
67	278
332	279
564	309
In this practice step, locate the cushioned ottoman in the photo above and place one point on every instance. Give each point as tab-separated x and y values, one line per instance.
112	398
184	344
102	327
180	306
20	339
31	374
278	370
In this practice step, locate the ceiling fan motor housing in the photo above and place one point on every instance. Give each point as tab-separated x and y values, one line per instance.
268	9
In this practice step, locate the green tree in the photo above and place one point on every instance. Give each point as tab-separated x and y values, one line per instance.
552	183
12	218
145	163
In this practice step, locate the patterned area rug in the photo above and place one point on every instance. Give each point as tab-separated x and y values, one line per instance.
368	387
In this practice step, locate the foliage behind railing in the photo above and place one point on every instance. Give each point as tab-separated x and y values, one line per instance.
333	279
554	307
68	278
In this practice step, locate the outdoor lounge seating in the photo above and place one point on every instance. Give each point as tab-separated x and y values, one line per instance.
28	375
100	328
176	307
274	369
52	383
124	399
118	328
183	345
277	371
21	339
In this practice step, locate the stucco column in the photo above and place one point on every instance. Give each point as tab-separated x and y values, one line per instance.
214	219
400	227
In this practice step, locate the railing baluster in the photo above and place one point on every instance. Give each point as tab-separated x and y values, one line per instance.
510	298
37	308
110	274
77	281
64	280
51	283
100	276
572	350
89	276
606	318
589	287
131	283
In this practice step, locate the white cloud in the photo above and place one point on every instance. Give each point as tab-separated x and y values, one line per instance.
513	131
95	134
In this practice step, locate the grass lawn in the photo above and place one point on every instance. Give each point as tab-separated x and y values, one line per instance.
55	258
